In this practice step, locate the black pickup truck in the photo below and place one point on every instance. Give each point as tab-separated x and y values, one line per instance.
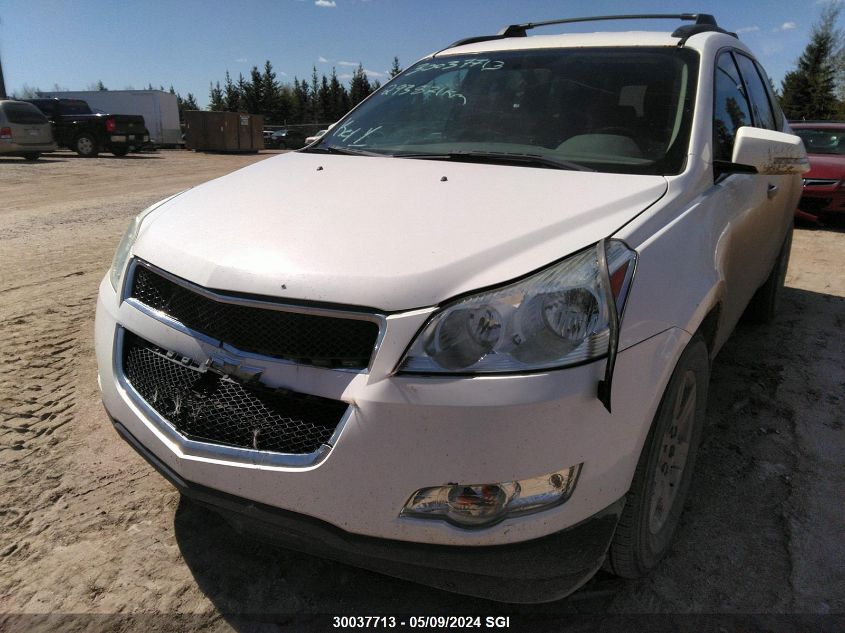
77	127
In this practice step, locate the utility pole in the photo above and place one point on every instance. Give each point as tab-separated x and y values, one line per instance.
2	83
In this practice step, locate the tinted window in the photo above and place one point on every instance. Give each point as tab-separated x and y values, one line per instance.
23	113
46	106
730	108
69	106
763	115
767	82
624	110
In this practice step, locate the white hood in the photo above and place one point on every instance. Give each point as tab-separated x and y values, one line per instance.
386	233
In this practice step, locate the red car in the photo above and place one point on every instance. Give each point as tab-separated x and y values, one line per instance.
824	184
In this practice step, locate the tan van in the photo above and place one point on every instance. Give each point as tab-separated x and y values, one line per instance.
24	131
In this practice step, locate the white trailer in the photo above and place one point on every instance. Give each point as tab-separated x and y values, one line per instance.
159	109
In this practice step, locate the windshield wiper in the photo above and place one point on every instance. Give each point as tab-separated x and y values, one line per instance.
539	160
346	151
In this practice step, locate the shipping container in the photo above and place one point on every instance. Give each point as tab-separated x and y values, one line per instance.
223	131
160	109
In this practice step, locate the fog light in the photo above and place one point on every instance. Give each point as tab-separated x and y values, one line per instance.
482	505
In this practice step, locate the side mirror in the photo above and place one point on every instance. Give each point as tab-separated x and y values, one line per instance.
769	152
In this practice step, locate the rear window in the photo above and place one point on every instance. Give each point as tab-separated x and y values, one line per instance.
22	113
74	106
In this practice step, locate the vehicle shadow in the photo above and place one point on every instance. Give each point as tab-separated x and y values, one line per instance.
773	390
247	579
41	160
108	156
832	223
734	514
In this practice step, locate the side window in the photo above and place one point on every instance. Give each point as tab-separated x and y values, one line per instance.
730	107
770	90
763	115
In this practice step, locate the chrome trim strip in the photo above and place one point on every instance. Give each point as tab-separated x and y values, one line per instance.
818	182
129	279
193	448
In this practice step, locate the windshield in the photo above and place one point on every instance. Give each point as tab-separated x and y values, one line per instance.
624	110
823	140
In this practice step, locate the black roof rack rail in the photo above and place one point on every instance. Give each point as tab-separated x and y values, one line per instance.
703	22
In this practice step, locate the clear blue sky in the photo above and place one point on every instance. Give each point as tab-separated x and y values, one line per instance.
189	43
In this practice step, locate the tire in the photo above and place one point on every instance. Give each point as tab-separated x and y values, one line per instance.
34	156
655	501
86	145
764	304
120	151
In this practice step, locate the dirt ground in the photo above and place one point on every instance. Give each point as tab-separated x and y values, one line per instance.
87	527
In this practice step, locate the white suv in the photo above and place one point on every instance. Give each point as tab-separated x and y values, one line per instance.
478	358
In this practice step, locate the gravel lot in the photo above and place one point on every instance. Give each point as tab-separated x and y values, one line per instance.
87	527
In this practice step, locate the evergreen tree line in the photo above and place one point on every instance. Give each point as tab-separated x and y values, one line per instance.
322	100
815	90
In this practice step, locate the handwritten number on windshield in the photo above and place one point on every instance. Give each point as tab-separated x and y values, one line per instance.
479	63
427	90
350	135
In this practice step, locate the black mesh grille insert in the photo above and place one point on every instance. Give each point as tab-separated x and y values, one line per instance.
211	407
302	338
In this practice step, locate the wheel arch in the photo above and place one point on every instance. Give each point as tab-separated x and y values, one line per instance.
709	328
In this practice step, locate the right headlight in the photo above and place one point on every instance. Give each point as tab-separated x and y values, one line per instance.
554	318
121	255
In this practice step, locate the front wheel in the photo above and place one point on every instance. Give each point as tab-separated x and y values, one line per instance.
654	504
86	145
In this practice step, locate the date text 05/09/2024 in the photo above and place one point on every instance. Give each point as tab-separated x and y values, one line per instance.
420	622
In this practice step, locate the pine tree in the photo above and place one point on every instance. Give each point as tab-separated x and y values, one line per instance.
231	95
395	69
324	101
242	90
359	86
339	98
286	106
314	101
809	91
252	97
270	95
190	102
215	98
301	101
